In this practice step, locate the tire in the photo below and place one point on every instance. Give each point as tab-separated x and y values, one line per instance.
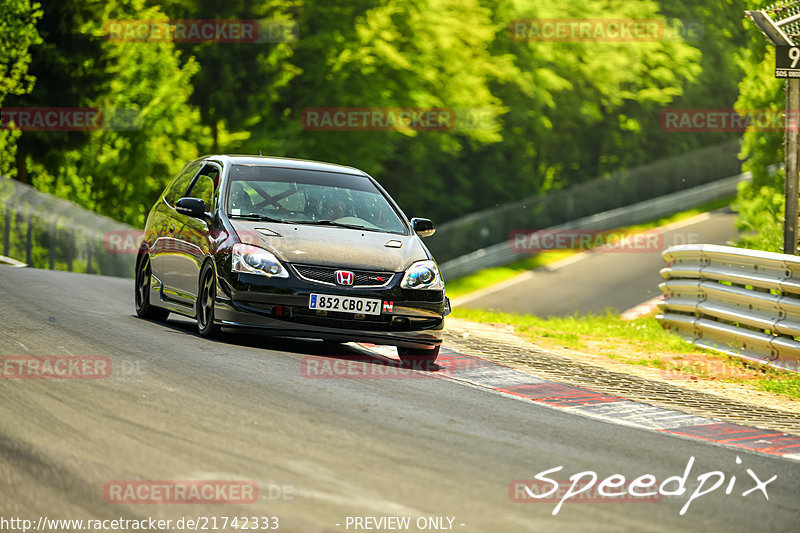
206	295
418	358
144	309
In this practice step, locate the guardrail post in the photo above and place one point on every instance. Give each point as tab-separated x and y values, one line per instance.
7	230
89	244
51	253
29	238
792	147
70	249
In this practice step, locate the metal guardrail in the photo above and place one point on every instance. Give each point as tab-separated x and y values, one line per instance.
44	231
745	303
484	228
502	254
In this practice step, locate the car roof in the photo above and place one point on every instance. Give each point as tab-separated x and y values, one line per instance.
284	162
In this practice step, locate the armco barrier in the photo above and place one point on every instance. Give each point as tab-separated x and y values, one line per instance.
502	254
44	231
744	303
484	228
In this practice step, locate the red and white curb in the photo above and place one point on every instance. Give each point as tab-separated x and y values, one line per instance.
606	407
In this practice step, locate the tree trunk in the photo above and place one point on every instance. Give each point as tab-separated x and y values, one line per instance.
22	166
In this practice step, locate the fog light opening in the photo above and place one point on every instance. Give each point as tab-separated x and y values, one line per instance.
399	322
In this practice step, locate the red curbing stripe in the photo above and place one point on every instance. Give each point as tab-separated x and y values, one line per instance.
724	431
487	373
559	394
757	439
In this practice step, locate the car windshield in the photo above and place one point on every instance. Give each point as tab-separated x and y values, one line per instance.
309	197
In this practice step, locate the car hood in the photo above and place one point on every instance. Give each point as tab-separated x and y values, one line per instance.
333	246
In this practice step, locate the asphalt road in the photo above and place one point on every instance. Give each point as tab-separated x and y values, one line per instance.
178	407
600	280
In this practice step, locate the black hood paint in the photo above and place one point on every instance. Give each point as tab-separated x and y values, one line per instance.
333	246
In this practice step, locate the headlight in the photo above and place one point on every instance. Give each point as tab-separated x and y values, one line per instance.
422	275
255	260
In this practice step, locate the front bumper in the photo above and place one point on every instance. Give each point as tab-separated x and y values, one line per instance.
280	306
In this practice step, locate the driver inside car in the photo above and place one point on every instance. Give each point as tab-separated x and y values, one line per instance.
239	199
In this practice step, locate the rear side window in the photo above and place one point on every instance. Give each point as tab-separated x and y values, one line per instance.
178	186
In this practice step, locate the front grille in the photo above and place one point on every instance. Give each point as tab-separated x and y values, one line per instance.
326	275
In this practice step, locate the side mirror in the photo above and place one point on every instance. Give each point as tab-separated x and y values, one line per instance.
193	207
423	227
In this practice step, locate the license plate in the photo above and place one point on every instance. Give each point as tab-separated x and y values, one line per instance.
344	304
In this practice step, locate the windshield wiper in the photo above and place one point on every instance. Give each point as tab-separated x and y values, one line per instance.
333	223
259	217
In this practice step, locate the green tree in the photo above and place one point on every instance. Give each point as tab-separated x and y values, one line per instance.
17	34
149	128
760	204
576	110
238	82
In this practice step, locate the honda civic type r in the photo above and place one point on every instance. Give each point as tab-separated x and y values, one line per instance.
296	248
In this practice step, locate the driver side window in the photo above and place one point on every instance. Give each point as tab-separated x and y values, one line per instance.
179	184
203	188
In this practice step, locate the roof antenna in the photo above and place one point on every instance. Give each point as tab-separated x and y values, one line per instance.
259	151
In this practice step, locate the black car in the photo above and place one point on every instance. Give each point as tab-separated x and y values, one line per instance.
296	248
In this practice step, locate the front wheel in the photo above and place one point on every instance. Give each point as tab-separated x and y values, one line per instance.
205	303
142	300
418	358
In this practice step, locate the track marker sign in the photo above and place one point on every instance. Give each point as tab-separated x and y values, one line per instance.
787	61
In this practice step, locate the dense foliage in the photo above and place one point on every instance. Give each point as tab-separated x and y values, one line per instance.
760	203
544	114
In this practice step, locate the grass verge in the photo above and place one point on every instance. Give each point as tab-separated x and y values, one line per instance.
643	343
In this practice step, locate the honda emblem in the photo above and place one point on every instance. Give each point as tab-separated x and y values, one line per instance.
344	277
